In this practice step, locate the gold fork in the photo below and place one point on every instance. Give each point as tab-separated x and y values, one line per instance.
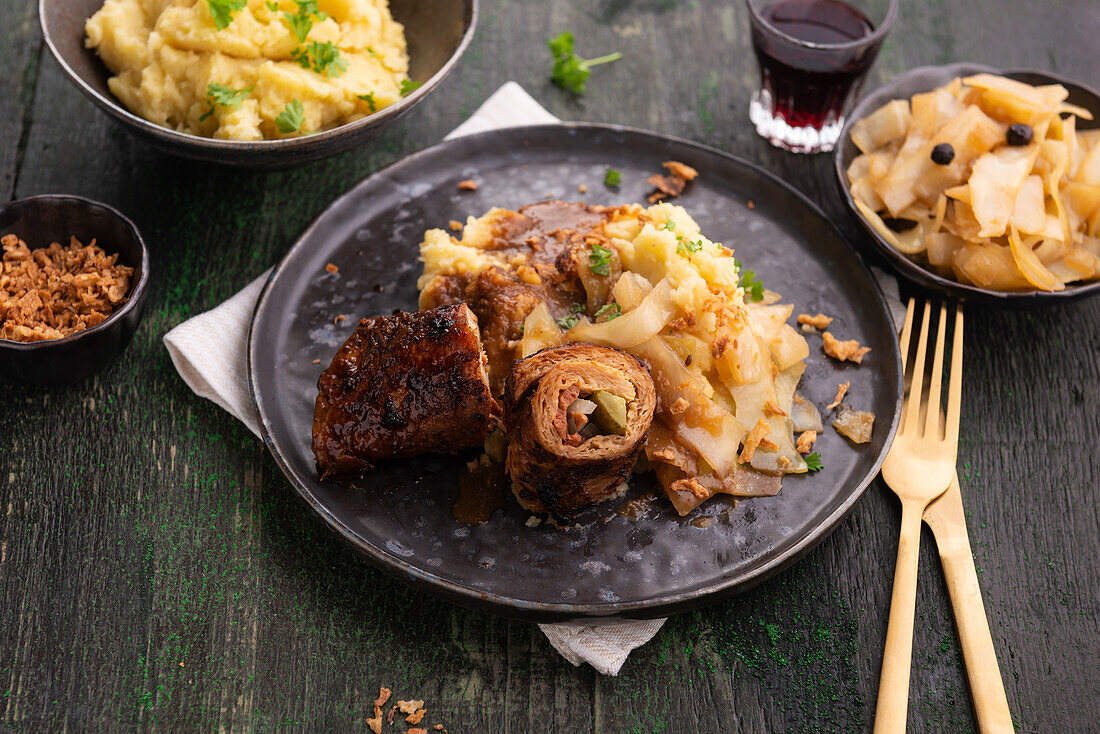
918	468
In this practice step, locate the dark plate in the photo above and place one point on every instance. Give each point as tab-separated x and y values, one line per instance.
400	518
925	79
437	31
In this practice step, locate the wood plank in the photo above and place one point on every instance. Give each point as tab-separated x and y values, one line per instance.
157	572
20	55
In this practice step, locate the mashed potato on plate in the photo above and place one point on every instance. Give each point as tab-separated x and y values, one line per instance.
170	56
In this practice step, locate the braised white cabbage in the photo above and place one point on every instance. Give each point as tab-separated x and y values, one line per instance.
1003	210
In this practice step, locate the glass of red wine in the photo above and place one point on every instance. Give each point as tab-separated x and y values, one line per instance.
813	57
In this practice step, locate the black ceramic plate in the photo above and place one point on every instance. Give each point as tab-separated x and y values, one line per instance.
399	517
925	79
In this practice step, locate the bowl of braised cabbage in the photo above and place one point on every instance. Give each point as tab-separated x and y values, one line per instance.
981	184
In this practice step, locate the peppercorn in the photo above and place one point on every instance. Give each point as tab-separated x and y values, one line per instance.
943	154
1019	134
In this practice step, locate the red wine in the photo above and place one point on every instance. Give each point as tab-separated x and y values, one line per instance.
810	86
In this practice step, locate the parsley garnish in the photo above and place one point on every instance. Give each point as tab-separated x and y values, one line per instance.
612	311
669	225
408	86
323	58
813	462
614	177
571	71
301	23
219	94
754	289
600	260
291	118
369	99
272	6
222	11
565	323
683	247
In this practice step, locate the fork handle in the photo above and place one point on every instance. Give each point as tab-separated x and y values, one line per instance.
986	687
893	687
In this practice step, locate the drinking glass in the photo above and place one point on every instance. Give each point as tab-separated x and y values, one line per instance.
813	56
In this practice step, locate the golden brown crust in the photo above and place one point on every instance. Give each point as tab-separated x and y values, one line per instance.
550	474
400	386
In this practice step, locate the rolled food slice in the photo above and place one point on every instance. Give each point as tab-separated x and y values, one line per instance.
577	417
403	385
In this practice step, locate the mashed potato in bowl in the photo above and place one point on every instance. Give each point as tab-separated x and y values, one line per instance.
251	69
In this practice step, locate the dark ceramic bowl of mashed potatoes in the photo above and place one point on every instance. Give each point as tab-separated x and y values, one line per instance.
437	33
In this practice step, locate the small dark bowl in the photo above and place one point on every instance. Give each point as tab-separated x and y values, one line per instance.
925	79
40	220
438	33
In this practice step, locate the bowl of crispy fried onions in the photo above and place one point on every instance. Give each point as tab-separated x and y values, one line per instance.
981	184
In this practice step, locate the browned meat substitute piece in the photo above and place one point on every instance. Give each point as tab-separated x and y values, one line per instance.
403	385
577	417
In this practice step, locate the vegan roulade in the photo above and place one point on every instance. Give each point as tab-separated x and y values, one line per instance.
577	417
403	385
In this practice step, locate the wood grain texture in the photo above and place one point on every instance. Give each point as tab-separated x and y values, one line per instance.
157	572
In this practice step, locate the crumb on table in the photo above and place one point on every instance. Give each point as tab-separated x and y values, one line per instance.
467	185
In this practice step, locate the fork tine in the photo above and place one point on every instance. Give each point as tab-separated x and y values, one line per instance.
932	423
916	384
907	333
954	389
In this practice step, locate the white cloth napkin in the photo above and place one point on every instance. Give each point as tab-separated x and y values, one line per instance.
209	350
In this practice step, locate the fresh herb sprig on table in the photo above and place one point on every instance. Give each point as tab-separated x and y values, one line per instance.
813	462
570	71
222	11
754	289
614	177
291	119
323	58
220	94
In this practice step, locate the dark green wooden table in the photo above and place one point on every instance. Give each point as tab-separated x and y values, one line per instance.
157	571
